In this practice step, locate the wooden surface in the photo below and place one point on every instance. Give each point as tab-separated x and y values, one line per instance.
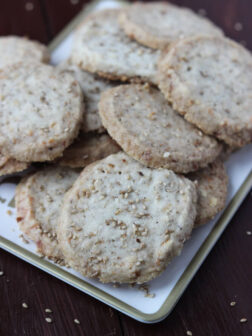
225	276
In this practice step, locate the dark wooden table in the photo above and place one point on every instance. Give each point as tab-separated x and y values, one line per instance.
225	276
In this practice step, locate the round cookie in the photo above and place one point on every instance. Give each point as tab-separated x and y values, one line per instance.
10	166
99	35
14	49
212	186
41	111
158	24
38	201
88	148
123	222
208	80
92	87
143	123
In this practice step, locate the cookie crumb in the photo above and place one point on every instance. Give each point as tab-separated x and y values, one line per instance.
233	303
25	305
189	333
29	6
76	321
48	319
48	310
9	212
238	26
2	200
243	320
24	239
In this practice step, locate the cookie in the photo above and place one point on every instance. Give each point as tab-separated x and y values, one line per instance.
100	46
41	111
158	24
38	201
14	49
92	87
212	186
208	80
123	222
143	123
87	149
10	166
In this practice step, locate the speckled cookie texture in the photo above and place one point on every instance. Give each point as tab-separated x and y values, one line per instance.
142	122
124	222
88	148
38	202
158	24
92	87
101	47
212	186
14	49
10	166
41	111
208	80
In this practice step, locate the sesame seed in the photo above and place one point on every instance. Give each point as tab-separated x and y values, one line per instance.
202	12
249	233
29	6
189	333
76	321
233	303
238	26
48	319
243	320
24	305
48	310
1	273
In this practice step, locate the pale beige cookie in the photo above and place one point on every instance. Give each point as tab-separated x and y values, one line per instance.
38	201
92	87
88	148
143	123
100	46
208	80
14	49
41	111
124	222
158	24
212	185
10	166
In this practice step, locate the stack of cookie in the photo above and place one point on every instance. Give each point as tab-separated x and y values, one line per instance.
161	105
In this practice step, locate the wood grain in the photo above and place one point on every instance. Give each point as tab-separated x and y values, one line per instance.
225	276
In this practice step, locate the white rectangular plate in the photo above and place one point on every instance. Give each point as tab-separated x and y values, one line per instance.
170	285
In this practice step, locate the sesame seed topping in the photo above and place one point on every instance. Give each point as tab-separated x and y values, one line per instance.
76	321
24	305
233	303
243	320
48	319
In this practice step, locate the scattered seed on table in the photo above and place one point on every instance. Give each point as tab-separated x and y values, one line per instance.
189	333
233	303
202	12
1	273
48	319
243	320
238	26
74	2
25	305
48	310
29	6
249	233
76	321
